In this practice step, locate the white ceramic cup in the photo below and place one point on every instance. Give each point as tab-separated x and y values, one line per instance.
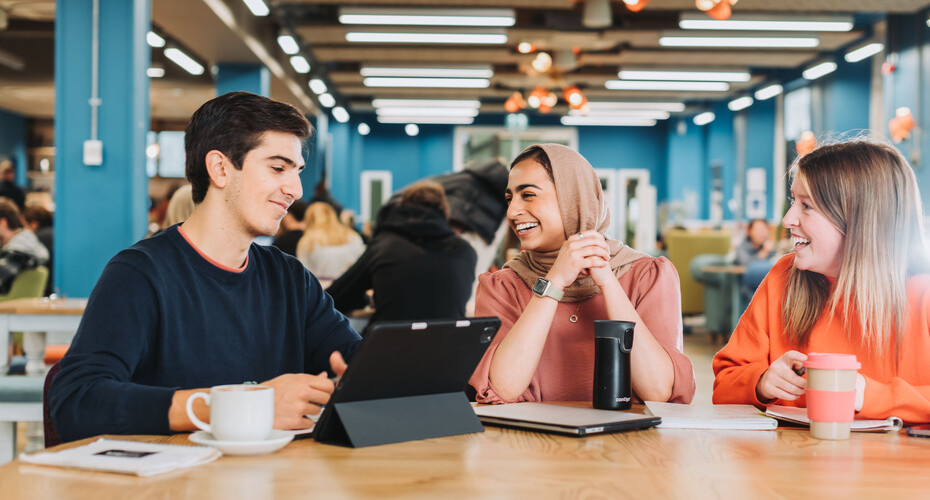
242	412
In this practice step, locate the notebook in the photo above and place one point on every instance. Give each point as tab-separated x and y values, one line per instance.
799	416
707	416
566	420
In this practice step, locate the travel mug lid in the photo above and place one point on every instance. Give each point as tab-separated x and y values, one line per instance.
832	361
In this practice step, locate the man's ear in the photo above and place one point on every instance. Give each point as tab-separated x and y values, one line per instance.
218	166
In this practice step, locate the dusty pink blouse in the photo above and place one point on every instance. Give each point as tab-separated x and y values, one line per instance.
566	367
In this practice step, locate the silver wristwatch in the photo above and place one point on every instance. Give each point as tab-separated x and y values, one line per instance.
543	288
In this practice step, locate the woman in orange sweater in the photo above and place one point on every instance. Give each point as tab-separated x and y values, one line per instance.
857	283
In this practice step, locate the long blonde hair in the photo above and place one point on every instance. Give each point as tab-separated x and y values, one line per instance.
323	228
868	191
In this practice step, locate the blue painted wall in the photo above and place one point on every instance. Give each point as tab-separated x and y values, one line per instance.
254	78
846	98
907	86
688	170
13	142
628	147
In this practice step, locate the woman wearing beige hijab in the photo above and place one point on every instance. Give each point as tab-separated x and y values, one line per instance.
544	350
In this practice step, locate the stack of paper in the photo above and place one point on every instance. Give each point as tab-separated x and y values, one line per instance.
127	457
704	416
799	416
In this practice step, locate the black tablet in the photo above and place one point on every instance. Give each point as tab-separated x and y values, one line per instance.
406	381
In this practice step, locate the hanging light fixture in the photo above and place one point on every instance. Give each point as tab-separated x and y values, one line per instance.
514	103
535	100
635	5
574	97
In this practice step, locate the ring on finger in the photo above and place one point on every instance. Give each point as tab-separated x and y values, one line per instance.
580	235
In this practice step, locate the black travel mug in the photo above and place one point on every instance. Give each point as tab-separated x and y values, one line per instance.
613	386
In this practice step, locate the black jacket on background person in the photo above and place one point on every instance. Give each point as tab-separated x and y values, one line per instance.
476	196
419	269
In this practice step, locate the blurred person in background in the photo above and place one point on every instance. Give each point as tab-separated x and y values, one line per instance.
41	222
8	187
21	248
292	228
476	211
416	265
327	247
757	253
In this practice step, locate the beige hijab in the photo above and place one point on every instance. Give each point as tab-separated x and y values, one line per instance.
583	208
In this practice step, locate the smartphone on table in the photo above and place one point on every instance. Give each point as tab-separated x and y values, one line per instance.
921	430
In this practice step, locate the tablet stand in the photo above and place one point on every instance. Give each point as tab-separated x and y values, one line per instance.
382	421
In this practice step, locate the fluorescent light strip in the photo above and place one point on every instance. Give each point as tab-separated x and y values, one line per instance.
740	103
427	20
606	121
288	44
662	85
445	120
318	86
364	129
429	103
154	40
340	114
703	76
660	106
864	52
428	17
446	38
764	25
445	83
155	72
300	64
819	70
768	92
704	118
740	42
257	7
327	100
183	60
486	72
622	113
413	111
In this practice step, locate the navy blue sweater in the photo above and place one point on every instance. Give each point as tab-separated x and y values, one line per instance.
163	318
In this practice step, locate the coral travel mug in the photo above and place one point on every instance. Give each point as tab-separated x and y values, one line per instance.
831	393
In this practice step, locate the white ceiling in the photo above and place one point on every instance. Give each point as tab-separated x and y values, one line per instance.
223	31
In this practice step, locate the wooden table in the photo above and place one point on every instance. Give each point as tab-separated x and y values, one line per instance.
38	315
502	463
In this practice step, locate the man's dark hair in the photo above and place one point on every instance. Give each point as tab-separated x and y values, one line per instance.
10	212
233	124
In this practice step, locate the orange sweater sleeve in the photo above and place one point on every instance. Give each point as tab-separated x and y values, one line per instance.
741	363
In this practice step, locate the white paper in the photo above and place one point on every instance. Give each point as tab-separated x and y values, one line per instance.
799	416
127	457
704	416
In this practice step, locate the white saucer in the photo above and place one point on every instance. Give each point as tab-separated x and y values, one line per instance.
275	442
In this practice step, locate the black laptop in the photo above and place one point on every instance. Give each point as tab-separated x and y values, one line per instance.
406	382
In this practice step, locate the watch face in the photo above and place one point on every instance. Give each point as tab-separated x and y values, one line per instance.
540	286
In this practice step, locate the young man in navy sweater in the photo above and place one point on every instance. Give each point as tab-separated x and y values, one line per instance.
199	304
